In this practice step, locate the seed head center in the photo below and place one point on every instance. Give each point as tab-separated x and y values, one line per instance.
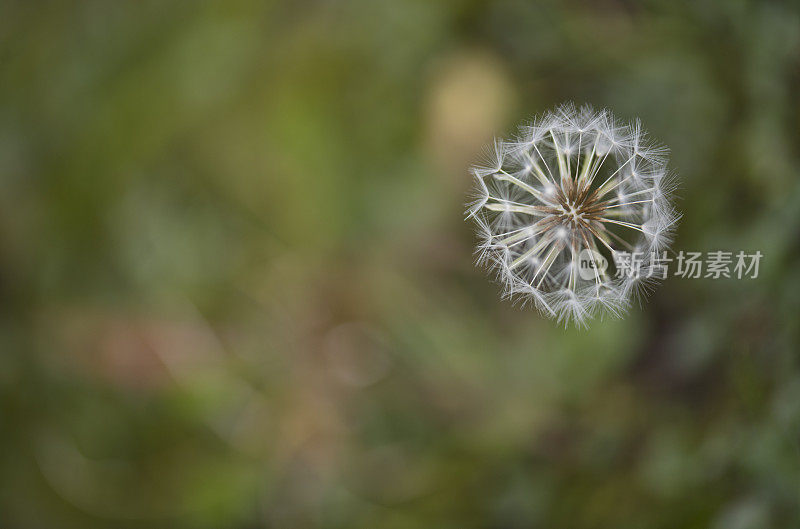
575	207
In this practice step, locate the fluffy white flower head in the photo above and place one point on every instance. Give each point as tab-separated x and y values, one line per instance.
557	205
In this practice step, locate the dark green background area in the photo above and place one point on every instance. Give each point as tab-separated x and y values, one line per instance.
237	291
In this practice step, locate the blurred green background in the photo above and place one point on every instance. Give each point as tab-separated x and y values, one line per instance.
237	291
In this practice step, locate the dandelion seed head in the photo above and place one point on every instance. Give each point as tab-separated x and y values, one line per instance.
572	183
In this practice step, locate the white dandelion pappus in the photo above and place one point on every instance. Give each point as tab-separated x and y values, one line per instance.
554	205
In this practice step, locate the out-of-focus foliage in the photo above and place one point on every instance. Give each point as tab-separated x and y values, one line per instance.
236	289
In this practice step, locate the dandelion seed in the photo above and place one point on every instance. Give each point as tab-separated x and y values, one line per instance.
573	183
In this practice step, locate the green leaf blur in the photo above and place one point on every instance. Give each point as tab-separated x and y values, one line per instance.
237	291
